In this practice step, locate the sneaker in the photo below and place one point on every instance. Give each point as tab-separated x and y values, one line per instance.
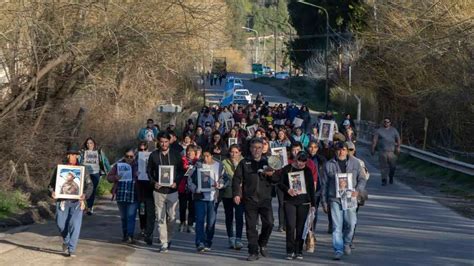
207	249
232	242
182	227
90	211
148	241
131	241
290	256
252	257
164	248
190	229
299	256
264	251
70	254
142	233
347	250
337	256
353	246
238	244
201	248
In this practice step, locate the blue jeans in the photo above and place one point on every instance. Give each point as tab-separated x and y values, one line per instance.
204	210
343	226
69	222
128	214
95	182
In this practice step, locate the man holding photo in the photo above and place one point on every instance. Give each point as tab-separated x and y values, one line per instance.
69	211
341	163
252	186
166	198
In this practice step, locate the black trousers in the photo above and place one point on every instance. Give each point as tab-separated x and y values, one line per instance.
281	209
295	219
147	220
229	208
186	203
252	211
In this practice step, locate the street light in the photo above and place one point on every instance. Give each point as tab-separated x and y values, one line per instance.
258	43
326	50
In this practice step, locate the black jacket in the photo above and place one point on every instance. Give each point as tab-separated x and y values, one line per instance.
284	186
172	158
250	184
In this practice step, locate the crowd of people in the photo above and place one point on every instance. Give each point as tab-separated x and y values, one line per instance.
217	159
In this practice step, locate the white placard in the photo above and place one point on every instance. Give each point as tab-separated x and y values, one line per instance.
298	122
143	157
91	157
251	130
326	129
165	175
124	171
232	141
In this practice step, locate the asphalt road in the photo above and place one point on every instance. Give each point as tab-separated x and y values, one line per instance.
398	226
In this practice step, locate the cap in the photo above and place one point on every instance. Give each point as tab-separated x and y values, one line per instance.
72	149
350	145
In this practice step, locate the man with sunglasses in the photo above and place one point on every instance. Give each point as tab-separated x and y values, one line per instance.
387	141
343	220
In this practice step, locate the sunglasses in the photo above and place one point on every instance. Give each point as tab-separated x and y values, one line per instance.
129	156
351	149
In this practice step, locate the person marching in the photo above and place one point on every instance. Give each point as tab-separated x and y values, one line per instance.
166	197
230	164
185	196
69	211
252	186
204	201
97	164
387	141
344	221
124	175
297	203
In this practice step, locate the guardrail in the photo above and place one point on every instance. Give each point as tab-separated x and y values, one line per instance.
365	130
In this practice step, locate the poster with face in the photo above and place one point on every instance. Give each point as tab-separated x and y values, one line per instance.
205	179
69	182
251	130
229	124
232	141
298	122
143	157
165	175
124	171
343	184
326	130
281	153
91	157
297	182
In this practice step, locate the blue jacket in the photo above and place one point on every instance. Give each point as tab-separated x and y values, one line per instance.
142	133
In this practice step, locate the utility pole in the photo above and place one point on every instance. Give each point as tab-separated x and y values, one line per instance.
275	46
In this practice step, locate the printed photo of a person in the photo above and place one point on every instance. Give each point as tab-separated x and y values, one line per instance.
296	183
343	187
206	180
70	187
325	131
165	177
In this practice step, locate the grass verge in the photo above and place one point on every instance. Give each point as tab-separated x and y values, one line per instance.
104	187
303	89
12	202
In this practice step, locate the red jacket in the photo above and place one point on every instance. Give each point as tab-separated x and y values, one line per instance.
184	181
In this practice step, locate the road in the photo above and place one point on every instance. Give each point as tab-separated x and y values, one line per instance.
398	226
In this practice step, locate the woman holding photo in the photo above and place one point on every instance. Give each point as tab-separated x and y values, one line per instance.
204	201
230	208
124	175
297	203
184	194
97	164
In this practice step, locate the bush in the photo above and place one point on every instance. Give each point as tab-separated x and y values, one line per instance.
104	187
12	202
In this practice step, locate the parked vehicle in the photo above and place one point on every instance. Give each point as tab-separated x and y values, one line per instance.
282	75
257	70
242	96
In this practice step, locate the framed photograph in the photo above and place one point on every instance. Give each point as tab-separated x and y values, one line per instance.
326	129
297	182
343	184
142	164
205	179
229	124
281	153
232	141
124	170
298	122
165	175
251	130
69	182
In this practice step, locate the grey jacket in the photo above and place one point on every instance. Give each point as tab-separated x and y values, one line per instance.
332	168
